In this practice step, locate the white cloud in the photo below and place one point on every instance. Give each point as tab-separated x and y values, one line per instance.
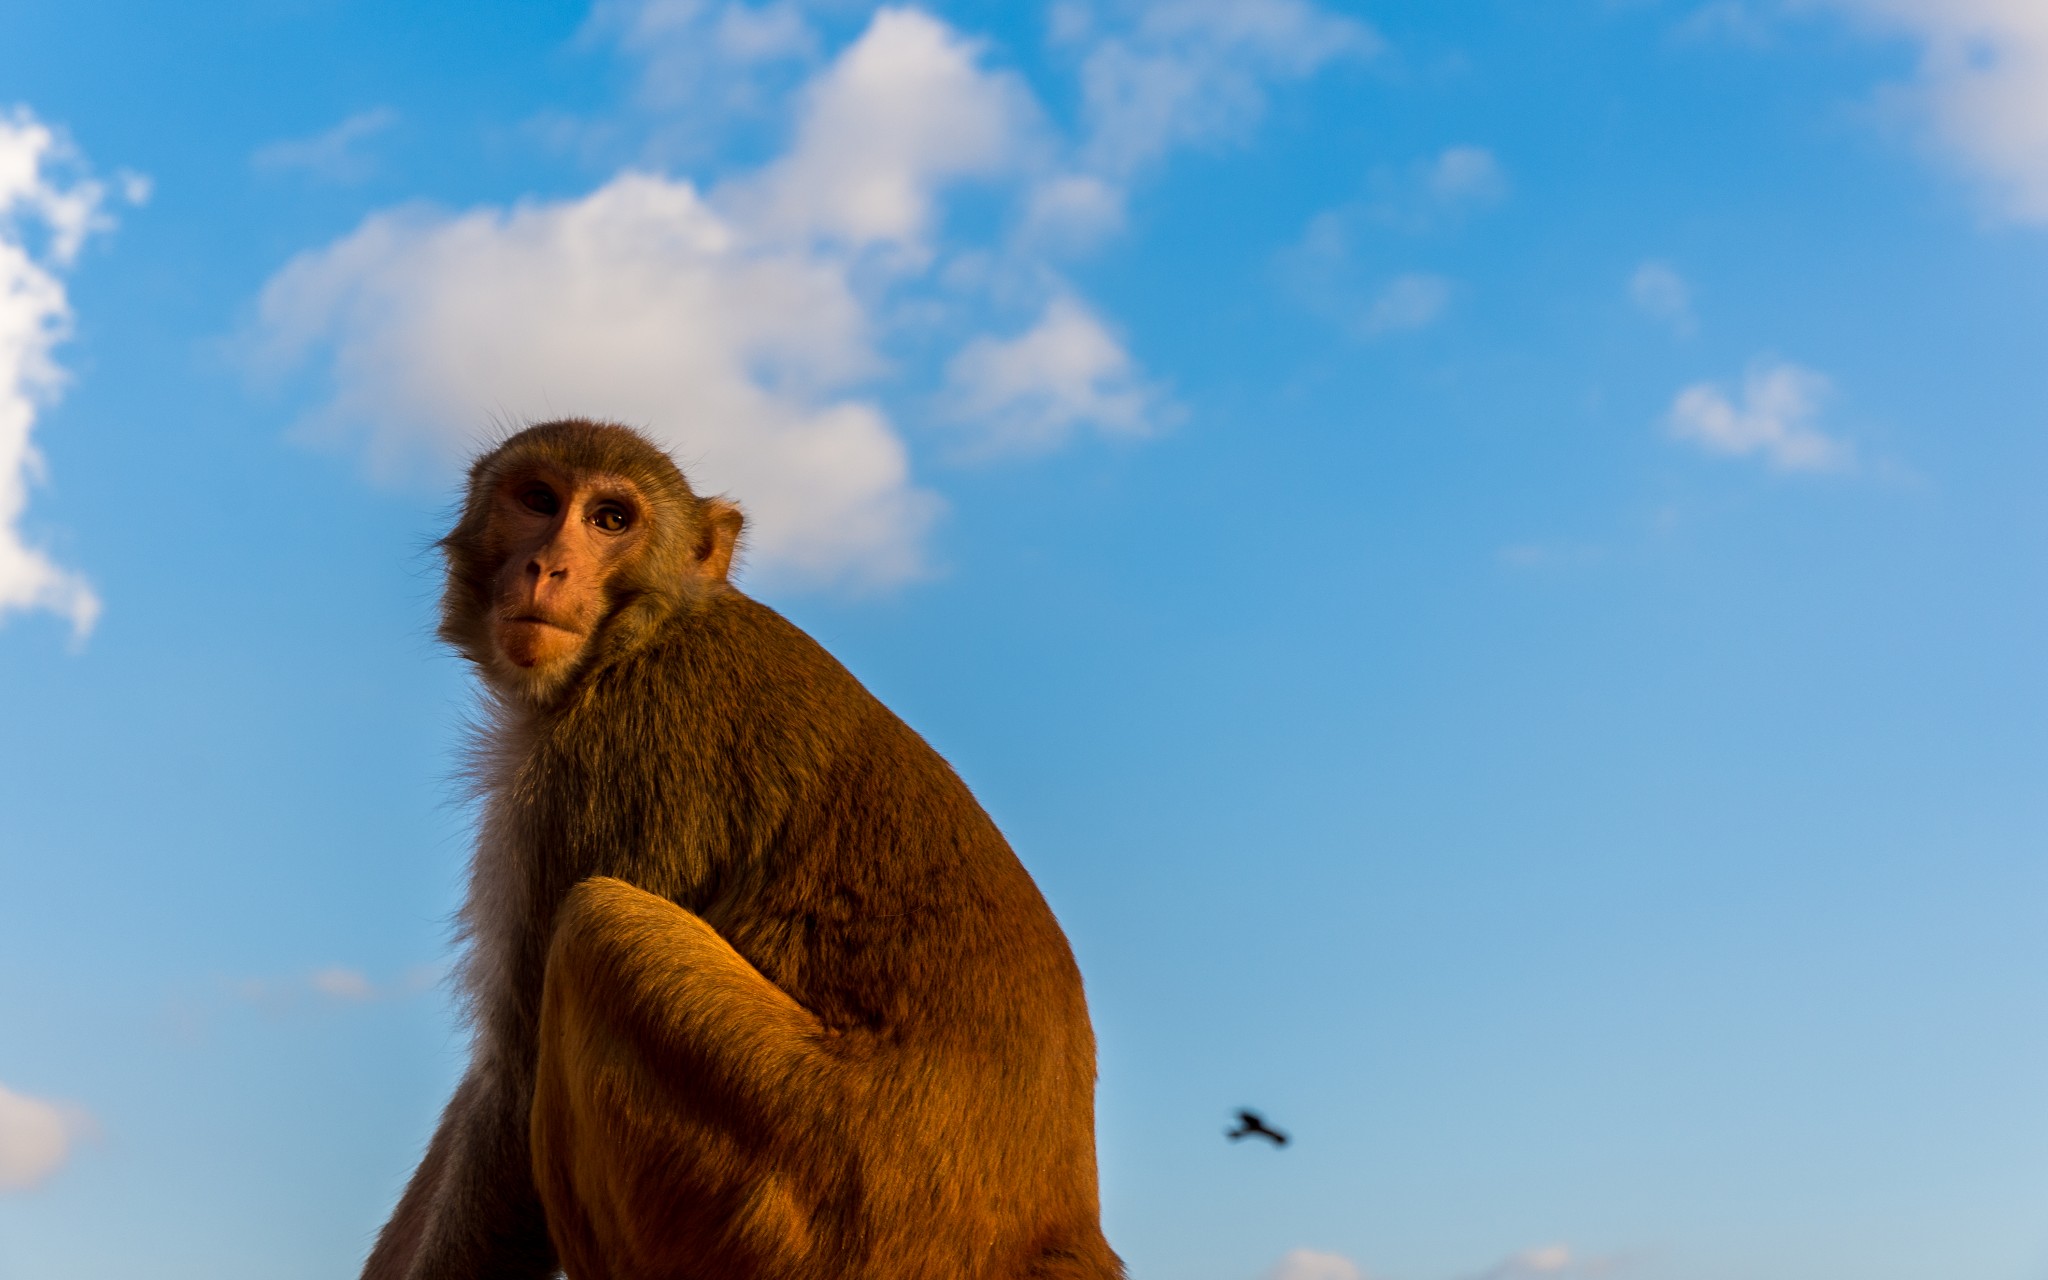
1981	92
1775	419
35	1139
1176	72
1028	393
1308	1264
638	302
47	210
903	112
1408	302
1662	294
334	156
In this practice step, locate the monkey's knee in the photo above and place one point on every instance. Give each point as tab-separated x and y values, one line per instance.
602	912
605	935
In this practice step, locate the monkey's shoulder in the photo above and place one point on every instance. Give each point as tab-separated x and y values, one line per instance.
735	642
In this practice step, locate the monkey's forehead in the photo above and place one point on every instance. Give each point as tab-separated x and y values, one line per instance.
580	449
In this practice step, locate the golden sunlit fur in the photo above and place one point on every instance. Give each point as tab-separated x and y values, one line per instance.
759	990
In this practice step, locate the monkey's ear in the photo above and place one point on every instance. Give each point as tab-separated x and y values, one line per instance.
720	537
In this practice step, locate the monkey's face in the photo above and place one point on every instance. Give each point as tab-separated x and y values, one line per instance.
561	540
577	541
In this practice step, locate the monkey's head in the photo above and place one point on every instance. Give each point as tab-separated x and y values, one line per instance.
577	539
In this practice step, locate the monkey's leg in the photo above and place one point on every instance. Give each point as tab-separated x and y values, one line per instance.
683	1114
471	1208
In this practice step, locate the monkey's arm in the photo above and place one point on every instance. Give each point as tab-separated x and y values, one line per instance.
470	1209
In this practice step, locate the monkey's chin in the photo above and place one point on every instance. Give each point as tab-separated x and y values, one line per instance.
536	654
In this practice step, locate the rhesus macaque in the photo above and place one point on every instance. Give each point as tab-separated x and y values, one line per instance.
758	990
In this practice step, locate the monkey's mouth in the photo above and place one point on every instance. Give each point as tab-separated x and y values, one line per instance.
530	640
535	620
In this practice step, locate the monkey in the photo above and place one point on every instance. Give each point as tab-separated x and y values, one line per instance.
756	987
1250	1124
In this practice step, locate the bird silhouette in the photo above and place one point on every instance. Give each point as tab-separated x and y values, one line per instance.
1250	1124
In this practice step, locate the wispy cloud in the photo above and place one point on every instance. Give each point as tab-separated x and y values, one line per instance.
1732	21
1658	291
339	155
342	984
335	984
1158	76
49	206
36	1138
1552	1261
1771	417
1328	268
189	1016
1980	94
1169	73
1415	300
1431	194
1028	393
1323	271
1309	1264
1465	175
1542	1262
704	58
1068	211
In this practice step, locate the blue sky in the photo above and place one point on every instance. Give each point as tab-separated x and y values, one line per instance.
1487	557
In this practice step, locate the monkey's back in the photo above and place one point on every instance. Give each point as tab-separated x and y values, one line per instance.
736	768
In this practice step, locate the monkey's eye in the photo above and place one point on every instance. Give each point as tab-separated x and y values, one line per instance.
539	498
611	517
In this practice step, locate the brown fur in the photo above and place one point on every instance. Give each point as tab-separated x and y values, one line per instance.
759	989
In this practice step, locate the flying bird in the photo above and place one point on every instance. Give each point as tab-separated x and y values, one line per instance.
1250	1124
